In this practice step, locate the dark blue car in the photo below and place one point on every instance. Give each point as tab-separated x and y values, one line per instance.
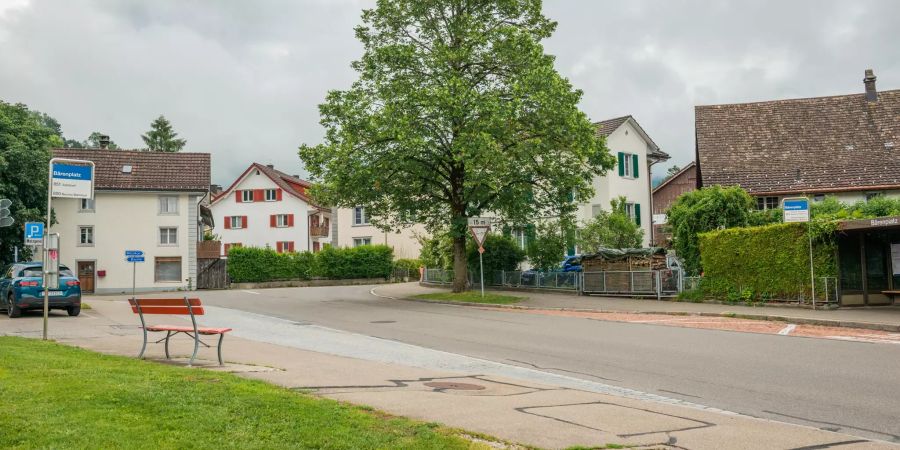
22	289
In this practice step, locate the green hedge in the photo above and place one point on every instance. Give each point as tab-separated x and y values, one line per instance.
766	262
253	265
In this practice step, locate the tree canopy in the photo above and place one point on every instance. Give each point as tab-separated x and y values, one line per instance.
162	137
611	229
457	112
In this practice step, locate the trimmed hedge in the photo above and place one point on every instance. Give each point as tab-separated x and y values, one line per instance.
254	265
766	262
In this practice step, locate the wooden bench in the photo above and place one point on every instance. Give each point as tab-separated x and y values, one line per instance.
175	306
893	294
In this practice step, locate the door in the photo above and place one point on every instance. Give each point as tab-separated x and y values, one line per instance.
877	269
86	276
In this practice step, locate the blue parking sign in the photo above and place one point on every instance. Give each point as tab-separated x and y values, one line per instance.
34	233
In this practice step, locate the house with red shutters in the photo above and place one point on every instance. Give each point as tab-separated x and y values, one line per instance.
265	207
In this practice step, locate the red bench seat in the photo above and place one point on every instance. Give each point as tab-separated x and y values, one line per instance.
184	329
175	306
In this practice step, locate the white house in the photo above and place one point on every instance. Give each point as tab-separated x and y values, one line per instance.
148	201
635	154
353	228
265	207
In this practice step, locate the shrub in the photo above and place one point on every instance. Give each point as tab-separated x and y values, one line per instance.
437	251
364	261
757	263
547	249
251	264
612	229
408	264
500	253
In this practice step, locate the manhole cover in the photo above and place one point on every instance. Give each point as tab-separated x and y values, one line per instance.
383	321
448	385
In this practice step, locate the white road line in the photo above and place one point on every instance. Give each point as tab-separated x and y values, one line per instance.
862	339
787	330
251	292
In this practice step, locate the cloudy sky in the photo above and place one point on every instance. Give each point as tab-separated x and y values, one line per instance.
242	80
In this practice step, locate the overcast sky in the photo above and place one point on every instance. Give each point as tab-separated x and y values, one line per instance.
242	80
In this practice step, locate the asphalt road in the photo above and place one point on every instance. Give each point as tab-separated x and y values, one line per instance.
851	387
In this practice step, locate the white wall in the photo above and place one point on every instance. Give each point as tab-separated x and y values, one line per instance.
636	190
259	232
128	221
404	243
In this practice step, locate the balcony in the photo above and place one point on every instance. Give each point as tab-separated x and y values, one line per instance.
317	231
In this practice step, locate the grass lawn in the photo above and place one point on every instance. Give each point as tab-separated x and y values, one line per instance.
55	396
472	297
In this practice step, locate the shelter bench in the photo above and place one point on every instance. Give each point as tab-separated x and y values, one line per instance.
175	306
893	294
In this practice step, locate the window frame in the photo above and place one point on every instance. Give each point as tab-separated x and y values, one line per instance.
160	205
169	235
362	240
279	223
246	193
274	193
166	259
360	218
628	165
91	201
240	219
93	236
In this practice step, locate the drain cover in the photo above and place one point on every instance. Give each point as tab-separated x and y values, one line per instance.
383	321
448	385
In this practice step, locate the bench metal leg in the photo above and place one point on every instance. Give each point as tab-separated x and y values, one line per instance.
144	346
221	336
196	346
168	334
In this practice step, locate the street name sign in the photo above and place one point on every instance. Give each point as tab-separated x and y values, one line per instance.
134	253
796	209
71	181
135	259
34	233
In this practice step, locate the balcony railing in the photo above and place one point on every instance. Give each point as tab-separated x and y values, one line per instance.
318	231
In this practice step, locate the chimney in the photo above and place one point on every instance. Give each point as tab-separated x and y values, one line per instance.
104	141
271	166
296	176
869	81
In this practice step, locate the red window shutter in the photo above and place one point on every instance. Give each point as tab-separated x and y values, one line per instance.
291	246
237	196
278	247
258	195
272	220
315	246
290	218
278	194
227	246
227	223
243	221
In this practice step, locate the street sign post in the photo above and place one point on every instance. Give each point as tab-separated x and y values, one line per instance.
134	257
479	227
34	233
66	178
51	272
796	209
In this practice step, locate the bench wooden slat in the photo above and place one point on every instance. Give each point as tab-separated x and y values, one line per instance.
890	292
184	329
176	310
164	301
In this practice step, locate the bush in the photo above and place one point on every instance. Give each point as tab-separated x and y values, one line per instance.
500	253
611	229
408	264
437	251
254	265
758	263
546	251
251	264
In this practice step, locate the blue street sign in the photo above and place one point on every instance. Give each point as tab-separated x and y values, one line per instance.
34	233
135	259
134	253
796	209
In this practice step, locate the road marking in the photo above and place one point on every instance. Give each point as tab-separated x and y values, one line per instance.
787	330
251	292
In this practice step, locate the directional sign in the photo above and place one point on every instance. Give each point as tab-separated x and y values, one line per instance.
71	181
796	209
135	259
479	232
34	233
479	221
134	253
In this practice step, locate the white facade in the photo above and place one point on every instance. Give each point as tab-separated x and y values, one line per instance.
257	228
627	140
129	220
351	233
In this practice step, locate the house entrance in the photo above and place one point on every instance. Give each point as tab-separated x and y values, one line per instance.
869	261
86	276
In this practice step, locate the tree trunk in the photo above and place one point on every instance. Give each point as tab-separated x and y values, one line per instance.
460	271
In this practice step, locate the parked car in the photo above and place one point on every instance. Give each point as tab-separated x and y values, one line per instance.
21	287
570	264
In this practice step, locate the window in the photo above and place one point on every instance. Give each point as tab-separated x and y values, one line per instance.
236	222
764	203
86	205
521	237
628	165
282	220
596	210
86	235
362	241
247	196
359	216
871	195
818	197
168	236
271	195
284	246
167	269
633	210
168	204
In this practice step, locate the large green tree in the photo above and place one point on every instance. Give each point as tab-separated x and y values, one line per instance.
457	112
25	140
162	138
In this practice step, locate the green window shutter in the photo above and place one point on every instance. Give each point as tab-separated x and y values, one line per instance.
637	213
634	160
570	242
621	164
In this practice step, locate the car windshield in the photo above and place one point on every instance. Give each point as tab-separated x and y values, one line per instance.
37	271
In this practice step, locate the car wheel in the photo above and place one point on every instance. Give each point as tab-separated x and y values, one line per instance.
73	311
11	309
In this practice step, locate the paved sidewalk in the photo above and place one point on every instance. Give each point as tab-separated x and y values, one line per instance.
465	392
886	318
